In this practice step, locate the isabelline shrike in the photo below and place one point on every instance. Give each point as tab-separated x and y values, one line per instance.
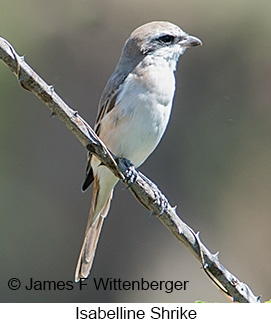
134	111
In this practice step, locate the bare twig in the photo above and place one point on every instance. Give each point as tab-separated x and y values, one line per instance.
146	192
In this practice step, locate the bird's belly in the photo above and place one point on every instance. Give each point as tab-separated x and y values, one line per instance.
145	132
135	134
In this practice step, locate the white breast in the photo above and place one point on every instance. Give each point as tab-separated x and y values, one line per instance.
135	126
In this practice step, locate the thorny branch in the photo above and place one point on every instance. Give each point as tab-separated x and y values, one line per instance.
145	191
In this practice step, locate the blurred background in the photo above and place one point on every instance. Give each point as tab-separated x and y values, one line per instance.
213	162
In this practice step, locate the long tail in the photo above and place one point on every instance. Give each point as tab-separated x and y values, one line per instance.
92	234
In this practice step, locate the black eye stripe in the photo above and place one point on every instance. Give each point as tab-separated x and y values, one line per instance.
166	39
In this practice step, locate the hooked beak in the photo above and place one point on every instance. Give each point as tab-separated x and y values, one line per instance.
190	41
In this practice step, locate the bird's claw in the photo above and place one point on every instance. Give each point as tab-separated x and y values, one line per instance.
128	170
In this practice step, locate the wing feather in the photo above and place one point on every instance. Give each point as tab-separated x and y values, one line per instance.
105	107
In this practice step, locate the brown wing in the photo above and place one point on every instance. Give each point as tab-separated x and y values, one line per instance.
108	105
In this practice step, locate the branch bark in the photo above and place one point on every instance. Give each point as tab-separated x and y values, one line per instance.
145	191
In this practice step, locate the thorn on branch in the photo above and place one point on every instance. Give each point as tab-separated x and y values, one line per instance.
151	213
22	58
216	256
51	88
174	208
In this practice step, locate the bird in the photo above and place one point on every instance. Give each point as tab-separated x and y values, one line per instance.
133	113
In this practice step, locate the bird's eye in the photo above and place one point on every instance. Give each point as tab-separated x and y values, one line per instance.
166	39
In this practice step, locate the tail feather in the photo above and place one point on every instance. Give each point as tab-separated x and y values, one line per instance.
88	250
91	239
